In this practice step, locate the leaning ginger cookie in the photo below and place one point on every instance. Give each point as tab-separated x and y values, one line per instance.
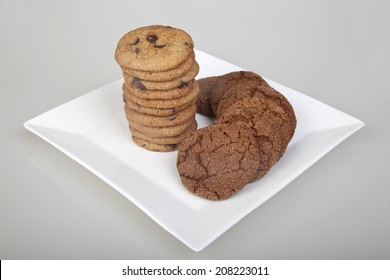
203	101
218	160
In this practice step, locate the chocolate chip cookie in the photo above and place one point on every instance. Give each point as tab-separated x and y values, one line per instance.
159	90
180	82
159	112
163	103
176	118
151	146
162	75
161	94
165	140
162	131
154	48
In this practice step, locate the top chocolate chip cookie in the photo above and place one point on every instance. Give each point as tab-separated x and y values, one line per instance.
154	48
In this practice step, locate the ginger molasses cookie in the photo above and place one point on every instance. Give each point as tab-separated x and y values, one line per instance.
203	102
266	132
229	80
251	89
269	110
218	160
154	48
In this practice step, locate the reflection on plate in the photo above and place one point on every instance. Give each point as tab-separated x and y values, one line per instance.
93	131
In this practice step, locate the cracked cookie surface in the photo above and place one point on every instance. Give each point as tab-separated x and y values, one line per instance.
268	110
253	89
218	160
229	80
264	129
203	101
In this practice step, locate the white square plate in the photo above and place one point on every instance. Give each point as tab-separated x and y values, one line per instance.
92	130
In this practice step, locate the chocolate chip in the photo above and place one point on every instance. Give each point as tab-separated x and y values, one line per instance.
135	42
137	82
183	84
172	117
137	50
152	38
160	46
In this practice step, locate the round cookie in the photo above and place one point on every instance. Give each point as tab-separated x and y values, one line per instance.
162	75
172	120
218	160
229	80
161	112
154	48
163	103
154	146
250	89
161	94
165	140
267	134
161	131
203	102
180	82
269	110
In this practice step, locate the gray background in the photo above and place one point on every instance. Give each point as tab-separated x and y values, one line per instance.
335	51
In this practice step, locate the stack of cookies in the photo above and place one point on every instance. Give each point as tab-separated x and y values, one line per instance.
159	89
254	124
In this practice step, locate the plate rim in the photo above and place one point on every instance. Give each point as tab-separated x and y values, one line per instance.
33	126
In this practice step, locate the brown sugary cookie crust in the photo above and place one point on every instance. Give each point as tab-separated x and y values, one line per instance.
266	109
264	129
252	89
154	48
225	82
241	100
203	102
217	161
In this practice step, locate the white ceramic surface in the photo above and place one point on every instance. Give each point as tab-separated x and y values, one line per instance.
93	131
